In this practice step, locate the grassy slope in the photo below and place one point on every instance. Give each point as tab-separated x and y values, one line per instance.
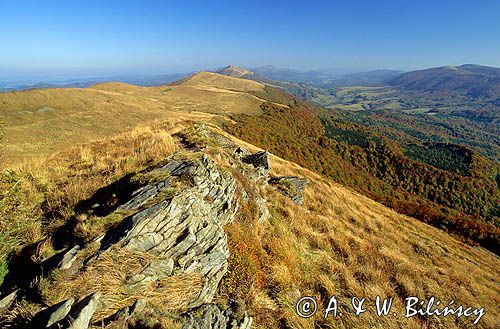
41	122
467	206
344	244
339	243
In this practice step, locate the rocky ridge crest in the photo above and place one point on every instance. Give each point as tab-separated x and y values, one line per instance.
170	248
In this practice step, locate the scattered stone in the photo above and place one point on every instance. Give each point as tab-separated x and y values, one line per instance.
210	316
81	314
260	161
6	301
69	258
265	214
122	313
62	260
45	109
51	315
291	186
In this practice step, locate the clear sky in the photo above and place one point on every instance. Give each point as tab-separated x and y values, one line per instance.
153	37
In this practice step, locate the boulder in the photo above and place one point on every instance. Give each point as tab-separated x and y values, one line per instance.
260	161
290	186
210	316
6	301
68	258
265	214
81	313
51	315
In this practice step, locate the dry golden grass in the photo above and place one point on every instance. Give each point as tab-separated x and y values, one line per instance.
338	243
78	172
344	244
38	123
36	197
109	274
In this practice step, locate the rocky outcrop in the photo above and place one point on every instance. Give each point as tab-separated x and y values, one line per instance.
174	218
290	186
185	231
260	161
178	219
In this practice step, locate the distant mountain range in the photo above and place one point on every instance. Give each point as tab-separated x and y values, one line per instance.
475	80
295	76
287	77
150	80
370	78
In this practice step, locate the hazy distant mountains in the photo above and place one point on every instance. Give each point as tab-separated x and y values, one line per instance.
295	76
323	79
475	80
150	80
370	78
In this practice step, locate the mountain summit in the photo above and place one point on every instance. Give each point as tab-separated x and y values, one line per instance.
235	71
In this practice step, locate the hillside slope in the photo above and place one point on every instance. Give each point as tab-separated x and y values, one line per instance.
337	243
475	80
43	121
456	191
463	204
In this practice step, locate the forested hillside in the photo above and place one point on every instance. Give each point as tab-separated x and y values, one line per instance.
463	201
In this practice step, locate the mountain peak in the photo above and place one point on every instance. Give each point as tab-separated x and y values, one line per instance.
234	71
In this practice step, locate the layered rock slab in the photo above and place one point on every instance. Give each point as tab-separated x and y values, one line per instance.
185	231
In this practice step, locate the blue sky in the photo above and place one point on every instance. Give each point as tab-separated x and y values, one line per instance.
153	37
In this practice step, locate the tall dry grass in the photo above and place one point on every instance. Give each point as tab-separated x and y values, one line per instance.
110	275
36	197
340	243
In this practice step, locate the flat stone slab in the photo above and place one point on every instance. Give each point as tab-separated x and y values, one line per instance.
51	315
6	301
